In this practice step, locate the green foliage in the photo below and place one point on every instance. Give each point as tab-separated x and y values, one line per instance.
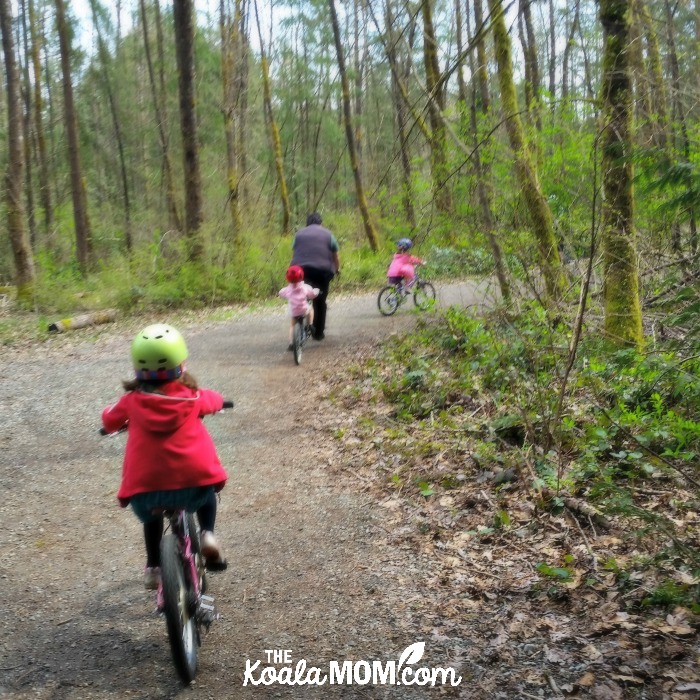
632	422
669	594
557	573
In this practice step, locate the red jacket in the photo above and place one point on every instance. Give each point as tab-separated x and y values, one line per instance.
168	446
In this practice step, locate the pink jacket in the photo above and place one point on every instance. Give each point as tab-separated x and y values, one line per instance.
168	446
402	265
298	295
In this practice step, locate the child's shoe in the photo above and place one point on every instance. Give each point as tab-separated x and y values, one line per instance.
213	555
151	578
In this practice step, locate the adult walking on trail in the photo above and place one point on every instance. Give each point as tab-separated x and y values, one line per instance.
315	250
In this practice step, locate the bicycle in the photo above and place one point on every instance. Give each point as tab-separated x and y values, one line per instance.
393	296
300	335
181	595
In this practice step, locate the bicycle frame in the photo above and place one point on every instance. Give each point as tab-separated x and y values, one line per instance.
179	527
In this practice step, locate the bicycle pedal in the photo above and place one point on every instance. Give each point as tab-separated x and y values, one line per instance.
207	602
207	613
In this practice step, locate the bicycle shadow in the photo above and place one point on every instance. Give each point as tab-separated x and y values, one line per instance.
114	645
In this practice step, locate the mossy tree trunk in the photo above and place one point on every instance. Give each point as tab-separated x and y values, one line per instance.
535	201
623	317
274	129
480	106
401	113
184	21
16	225
349	131
436	107
230	38
83	235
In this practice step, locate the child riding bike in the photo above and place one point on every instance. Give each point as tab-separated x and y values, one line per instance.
298	295
401	269
170	460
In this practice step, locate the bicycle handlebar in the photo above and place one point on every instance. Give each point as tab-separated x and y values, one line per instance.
103	432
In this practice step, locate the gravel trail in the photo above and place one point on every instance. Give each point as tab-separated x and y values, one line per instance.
308	571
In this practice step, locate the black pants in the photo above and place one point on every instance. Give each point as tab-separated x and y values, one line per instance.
320	279
153	530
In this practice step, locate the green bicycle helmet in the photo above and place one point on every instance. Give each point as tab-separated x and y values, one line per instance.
158	353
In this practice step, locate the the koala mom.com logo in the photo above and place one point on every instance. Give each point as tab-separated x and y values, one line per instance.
282	670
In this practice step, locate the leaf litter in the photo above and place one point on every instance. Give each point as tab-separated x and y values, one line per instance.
523	599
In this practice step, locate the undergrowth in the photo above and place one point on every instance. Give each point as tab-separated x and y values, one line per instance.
463	413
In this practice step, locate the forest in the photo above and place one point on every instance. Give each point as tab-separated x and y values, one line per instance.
541	448
162	155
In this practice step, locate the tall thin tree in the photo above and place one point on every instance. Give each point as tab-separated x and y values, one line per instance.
16	226
535	201
116	123
83	235
38	104
161	118
436	107
349	131
184	21
274	129
230	38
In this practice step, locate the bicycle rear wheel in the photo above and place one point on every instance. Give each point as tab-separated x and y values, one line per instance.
388	301
298	341
179	609
424	295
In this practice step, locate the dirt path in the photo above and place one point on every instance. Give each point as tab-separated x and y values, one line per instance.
309	570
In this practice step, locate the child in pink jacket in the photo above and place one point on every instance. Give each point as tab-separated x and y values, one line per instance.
298	294
401	268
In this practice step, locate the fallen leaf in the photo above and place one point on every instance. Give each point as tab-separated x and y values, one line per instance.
586	680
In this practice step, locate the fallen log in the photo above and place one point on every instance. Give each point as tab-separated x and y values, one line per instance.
93	319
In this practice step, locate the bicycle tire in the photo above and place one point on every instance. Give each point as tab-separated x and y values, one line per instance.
193	528
388	301
424	295
298	342
178	609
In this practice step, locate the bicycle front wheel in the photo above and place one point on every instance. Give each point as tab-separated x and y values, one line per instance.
388	301
298	341
424	295
179	609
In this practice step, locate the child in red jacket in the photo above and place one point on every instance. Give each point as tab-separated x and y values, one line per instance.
170	460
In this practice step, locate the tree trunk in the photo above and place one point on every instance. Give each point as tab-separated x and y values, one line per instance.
570	43
44	184
104	59
27	125
623	317
538	208
230	39
83	235
161	119
274	130
552	54
401	113
183	16
242	73
349	132
436	105
532	66
679	119
16	228
480	107
657	101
